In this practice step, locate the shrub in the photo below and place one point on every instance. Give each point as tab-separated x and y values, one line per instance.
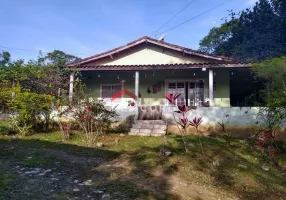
28	109
266	143
93	118
4	128
126	125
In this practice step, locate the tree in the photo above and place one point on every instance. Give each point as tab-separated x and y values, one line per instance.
213	43
254	34
57	58
4	58
37	80
273	72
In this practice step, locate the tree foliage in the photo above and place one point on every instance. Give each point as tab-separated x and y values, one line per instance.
253	34
28	109
28	89
273	72
4	58
57	58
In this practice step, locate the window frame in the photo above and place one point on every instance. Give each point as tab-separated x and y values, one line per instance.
206	87
110	84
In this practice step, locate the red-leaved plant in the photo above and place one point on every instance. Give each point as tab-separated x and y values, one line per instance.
65	129
196	123
62	119
183	121
172	98
265	142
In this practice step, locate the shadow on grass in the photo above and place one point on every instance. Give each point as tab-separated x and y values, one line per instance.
238	168
105	179
69	148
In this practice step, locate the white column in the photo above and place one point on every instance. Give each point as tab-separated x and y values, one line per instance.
71	87
211	87
137	87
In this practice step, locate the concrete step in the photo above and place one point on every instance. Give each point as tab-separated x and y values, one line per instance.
158	122
147	134
149	128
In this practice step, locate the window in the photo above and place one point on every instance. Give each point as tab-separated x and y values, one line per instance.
107	91
178	88
192	92
196	93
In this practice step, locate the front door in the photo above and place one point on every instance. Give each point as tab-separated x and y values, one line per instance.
192	92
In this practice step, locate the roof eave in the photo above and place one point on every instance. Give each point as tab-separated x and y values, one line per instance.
163	67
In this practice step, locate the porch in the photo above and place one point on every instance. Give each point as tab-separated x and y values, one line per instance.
140	91
131	88
198	87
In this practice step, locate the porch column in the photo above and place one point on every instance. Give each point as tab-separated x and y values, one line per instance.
137	87
211	87
71	87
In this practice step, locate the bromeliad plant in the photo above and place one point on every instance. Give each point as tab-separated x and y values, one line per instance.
226	135
183	122
196	123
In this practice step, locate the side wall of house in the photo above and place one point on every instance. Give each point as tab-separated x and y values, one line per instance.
150	80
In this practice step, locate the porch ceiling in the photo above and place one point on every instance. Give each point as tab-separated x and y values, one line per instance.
178	66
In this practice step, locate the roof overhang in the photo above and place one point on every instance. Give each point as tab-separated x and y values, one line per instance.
164	67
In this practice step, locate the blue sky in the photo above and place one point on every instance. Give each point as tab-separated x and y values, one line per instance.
88	27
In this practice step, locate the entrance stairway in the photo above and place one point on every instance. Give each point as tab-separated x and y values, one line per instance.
149	128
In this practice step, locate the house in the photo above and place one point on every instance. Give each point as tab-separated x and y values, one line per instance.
136	77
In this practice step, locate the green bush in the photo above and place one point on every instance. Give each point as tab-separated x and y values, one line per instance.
29	110
4	128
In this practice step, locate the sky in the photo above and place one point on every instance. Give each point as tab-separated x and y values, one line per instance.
88	27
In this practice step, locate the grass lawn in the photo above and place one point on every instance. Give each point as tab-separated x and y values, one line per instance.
134	169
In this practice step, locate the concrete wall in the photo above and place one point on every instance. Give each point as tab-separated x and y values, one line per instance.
243	116
150	54
147	79
241	121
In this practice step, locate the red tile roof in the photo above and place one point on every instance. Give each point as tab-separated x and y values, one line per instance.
165	66
153	41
